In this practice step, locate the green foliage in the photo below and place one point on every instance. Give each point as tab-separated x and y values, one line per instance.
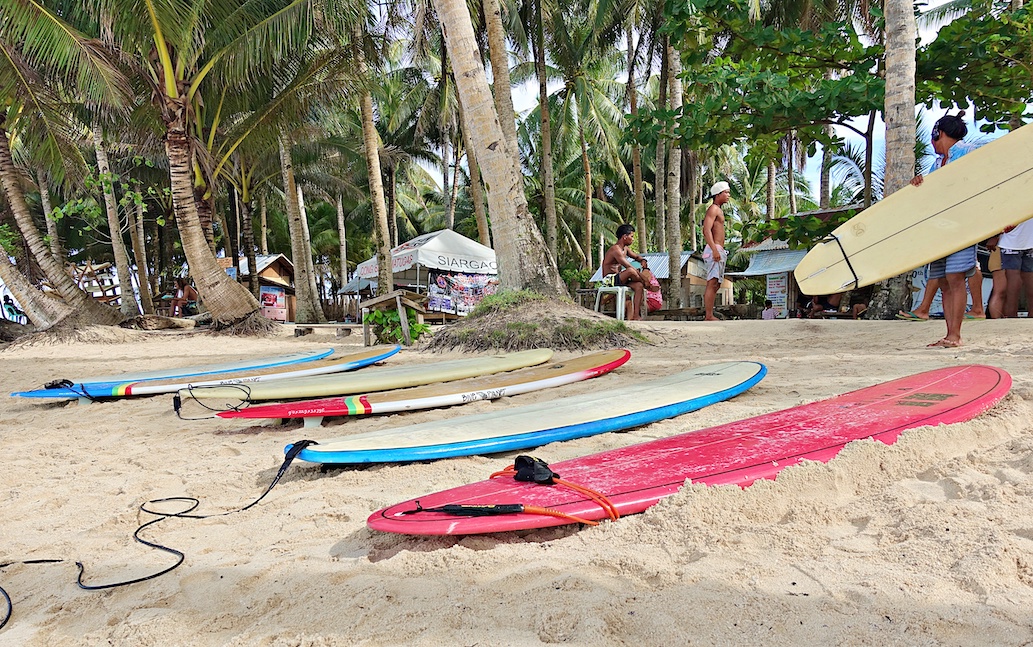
748	80
801	232
387	326
8	239
575	275
504	300
984	56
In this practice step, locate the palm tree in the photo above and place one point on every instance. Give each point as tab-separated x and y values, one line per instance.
45	60
587	62
524	262
899	115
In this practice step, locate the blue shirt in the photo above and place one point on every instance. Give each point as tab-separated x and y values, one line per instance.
956	152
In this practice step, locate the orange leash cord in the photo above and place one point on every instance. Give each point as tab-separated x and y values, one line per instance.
528	468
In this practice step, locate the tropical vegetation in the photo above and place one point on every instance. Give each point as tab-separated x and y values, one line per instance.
160	135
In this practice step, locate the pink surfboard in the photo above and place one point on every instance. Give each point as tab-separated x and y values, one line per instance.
637	477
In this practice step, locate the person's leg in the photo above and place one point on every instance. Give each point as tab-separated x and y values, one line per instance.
995	305
954	298
709	296
639	289
975	288
931	286
1027	281
1013	285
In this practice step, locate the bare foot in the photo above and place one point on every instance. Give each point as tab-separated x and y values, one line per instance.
711	319
945	343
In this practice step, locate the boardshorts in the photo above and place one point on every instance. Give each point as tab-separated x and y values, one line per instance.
959	262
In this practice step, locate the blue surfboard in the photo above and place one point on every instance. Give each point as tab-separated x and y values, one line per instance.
110	386
631	405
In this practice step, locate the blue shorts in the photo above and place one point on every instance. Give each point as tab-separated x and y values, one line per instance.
962	262
1019	259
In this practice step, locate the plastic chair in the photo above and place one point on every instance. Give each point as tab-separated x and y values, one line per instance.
621	294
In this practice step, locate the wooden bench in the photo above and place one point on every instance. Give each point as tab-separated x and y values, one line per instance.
341	329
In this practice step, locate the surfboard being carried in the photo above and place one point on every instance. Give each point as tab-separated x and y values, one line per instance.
957	206
109	385
445	394
632	405
637	477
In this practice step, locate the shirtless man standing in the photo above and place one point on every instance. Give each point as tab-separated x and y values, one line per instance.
714	252
618	270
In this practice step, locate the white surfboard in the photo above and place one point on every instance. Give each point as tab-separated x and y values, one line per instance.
957	206
372	379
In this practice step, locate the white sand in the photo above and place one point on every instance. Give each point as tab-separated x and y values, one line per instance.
926	542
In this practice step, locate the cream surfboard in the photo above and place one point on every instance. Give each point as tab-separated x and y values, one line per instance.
445	394
959	205
631	405
373	379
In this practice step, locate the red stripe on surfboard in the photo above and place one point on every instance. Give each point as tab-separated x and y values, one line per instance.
635	478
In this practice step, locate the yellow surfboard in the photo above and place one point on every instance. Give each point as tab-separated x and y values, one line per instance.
959	205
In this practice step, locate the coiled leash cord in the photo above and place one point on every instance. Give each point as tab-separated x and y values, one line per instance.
70	385
245	400
529	470
162	516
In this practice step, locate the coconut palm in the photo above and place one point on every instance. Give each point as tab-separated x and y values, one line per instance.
45	60
524	262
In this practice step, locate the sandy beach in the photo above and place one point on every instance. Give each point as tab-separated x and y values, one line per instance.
926	542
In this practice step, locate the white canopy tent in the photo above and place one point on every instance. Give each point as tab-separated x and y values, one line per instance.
443	250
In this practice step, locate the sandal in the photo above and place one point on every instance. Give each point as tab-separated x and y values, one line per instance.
910	316
944	343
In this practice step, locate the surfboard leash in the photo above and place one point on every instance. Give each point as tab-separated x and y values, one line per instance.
192	504
857	281
245	400
68	384
528	469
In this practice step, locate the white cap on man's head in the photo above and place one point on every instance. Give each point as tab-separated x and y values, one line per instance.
718	187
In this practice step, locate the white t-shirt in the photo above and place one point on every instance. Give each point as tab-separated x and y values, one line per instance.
1019	238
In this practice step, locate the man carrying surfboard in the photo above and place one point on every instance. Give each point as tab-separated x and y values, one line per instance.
954	269
618	270
714	252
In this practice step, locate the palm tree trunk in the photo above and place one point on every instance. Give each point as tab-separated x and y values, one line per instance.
308	310
524	261
499	55
893	294
446	152
342	240
772	179
56	249
85	307
41	310
825	192
263	215
392	206
371	147
587	169
476	188
310	266
228	301
249	244
659	174
548	174
692	164
453	196
636	153
791	169
138	238
674	239
127	303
